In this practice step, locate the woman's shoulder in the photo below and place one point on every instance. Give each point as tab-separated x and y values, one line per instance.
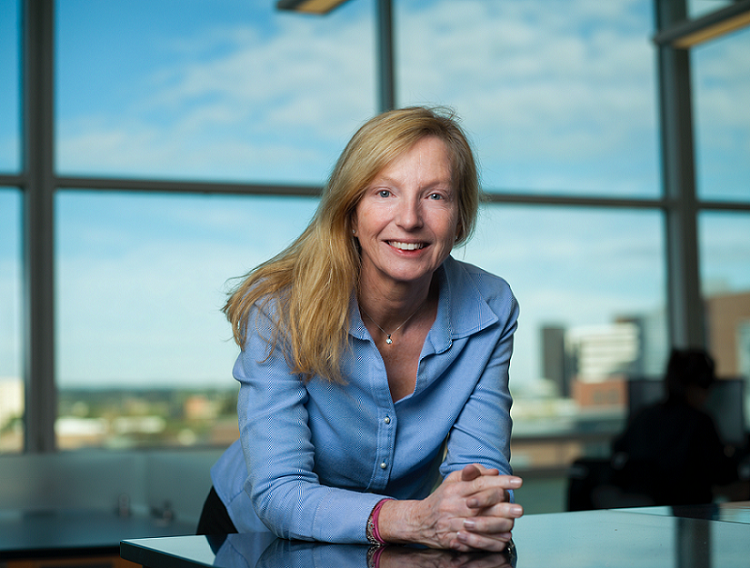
477	295
463	274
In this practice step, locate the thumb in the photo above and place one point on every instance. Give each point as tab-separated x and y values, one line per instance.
470	472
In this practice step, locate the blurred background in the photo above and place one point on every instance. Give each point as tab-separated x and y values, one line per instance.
153	150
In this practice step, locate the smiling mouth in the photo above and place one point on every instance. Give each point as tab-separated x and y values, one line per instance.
406	246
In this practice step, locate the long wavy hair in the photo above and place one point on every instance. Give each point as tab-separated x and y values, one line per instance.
311	282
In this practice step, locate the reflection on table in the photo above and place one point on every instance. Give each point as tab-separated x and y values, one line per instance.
262	550
733	512
648	538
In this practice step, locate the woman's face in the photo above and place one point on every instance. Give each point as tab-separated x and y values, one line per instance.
407	218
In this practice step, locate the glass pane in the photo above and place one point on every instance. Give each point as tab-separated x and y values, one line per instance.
144	354
721	79
10	80
11	379
225	90
725	279
698	8
590	284
557	98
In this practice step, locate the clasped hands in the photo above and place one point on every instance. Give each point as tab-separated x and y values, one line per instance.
474	510
470	510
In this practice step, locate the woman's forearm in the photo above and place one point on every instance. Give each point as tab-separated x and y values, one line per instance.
402	522
433	521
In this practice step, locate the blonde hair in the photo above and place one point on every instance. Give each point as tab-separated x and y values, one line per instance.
313	279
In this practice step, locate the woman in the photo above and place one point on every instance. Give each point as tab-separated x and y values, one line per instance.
373	364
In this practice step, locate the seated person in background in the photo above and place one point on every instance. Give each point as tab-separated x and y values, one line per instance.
374	402
671	451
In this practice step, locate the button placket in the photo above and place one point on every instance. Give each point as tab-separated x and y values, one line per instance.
387	439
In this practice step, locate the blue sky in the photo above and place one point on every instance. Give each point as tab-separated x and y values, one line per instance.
252	93
554	101
9	79
233	91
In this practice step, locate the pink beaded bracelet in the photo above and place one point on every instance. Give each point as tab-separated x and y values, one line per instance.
372	524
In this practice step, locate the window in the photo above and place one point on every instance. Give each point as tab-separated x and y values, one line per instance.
226	91
10	79
144	353
590	284
557	106
720	79
698	8
722	146
11	377
725	278
560	106
556	102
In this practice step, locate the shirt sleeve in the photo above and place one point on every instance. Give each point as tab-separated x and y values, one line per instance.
482	431
279	455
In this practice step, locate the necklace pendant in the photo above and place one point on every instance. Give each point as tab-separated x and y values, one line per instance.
388	339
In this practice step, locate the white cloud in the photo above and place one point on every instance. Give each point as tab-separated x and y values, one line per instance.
721	82
140	303
254	102
533	81
272	106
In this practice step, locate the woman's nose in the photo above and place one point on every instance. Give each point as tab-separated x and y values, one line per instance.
410	214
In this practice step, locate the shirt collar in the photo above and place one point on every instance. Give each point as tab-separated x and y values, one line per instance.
462	310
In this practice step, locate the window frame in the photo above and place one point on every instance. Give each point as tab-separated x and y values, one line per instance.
38	183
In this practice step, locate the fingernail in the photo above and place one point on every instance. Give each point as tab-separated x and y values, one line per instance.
515	510
470	524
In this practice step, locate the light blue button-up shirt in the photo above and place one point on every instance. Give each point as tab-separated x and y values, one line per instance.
314	458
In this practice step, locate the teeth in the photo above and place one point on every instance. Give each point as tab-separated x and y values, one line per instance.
406	246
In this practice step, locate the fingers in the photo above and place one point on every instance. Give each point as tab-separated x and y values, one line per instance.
475	470
471	510
467	541
489	529
497	520
494	518
471	472
486	491
500	481
481	560
488	532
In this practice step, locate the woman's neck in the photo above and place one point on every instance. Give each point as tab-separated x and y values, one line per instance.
396	306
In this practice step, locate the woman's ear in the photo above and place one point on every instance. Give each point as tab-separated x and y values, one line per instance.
353	224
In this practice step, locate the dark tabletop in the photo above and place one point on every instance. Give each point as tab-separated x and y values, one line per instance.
648	538
77	532
736	512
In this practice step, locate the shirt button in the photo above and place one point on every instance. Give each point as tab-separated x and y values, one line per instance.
383	465
387	420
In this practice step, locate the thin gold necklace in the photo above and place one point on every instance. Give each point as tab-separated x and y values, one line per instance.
388	339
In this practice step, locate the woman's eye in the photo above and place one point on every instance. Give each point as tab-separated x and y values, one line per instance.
384	193
436	196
